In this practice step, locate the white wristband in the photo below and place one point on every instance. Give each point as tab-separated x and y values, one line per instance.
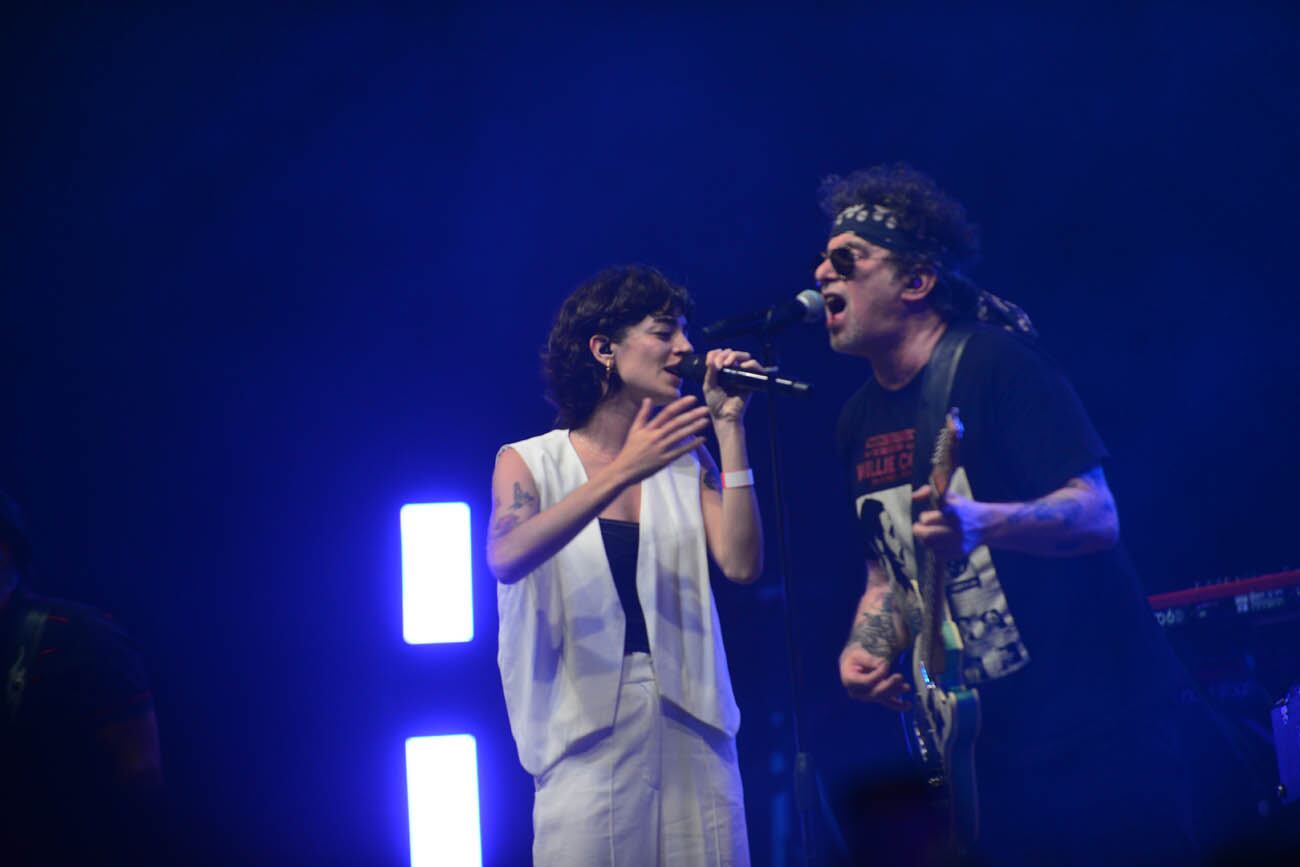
738	479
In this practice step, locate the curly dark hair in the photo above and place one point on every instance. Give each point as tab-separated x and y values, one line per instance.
609	303
936	221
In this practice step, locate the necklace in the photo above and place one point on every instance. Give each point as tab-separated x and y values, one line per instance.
591	449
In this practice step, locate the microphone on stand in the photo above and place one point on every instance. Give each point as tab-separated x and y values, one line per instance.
807	306
733	378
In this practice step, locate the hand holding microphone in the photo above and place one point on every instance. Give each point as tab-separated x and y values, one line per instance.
751	378
726	404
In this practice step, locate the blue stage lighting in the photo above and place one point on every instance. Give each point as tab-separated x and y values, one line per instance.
442	800
437	597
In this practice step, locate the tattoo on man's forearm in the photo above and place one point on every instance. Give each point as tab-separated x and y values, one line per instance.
876	631
711	480
1066	512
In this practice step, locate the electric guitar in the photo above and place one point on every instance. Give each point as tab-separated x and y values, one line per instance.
945	715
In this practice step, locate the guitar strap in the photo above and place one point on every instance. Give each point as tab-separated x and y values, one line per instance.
936	391
991	643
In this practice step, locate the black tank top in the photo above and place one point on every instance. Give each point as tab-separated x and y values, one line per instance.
621	539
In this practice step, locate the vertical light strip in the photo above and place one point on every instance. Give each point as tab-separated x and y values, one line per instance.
442	800
437	594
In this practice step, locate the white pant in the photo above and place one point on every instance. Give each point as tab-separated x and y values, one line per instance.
660	788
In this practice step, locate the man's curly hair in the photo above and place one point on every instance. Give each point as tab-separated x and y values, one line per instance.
609	303
934	220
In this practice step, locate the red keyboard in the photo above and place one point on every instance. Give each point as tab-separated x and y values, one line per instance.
1262	598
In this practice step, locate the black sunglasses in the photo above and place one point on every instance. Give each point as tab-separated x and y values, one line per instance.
843	260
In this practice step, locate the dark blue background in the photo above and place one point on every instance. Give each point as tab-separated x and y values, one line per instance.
268	275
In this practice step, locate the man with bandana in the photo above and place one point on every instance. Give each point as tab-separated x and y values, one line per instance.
1074	760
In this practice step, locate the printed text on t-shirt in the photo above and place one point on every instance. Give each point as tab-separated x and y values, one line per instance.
887	458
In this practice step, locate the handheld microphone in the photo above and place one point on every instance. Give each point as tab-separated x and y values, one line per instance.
735	379
807	306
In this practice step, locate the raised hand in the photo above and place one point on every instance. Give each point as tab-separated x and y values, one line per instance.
724	406
653	443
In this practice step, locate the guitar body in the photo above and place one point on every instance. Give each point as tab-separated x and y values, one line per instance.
942	727
945	718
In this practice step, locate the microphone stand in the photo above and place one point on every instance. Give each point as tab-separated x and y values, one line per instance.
807	789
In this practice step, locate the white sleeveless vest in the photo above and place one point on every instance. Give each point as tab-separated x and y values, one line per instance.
561	626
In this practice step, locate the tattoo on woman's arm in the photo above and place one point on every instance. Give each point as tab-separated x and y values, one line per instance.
711	480
523	506
522	498
504	524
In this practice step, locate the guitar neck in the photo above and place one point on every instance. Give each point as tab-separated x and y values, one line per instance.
931	573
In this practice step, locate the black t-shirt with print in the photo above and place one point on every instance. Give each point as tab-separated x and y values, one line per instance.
1096	654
